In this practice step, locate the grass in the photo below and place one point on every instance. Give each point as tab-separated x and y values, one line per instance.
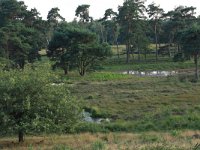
143	66
140	103
121	49
105	76
130	97
136	103
103	141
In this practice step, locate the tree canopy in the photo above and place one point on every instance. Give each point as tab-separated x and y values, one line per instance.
129	16
31	102
82	11
190	41
21	33
74	46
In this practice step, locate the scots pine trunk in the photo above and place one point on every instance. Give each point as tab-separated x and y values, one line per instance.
82	68
145	55
156	40
196	66
128	45
20	136
138	54
127	52
65	71
138	50
102	34
82	72
117	50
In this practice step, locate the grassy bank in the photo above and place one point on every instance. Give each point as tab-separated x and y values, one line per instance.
174	140
141	103
149	66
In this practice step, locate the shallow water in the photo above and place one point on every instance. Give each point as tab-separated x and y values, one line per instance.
157	73
87	118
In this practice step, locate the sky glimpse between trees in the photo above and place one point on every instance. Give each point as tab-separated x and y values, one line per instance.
98	7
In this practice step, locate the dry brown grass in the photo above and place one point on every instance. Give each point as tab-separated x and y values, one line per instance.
111	141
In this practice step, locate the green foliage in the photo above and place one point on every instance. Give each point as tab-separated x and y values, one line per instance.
11	10
95	112
178	57
21	32
61	147
196	147
190	41
155	13
53	16
106	76
31	103
98	145
82	11
130	18
73	46
151	66
90	127
149	138
53	19
175	133
162	147
168	122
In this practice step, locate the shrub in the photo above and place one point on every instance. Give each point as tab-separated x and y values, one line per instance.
29	102
178	57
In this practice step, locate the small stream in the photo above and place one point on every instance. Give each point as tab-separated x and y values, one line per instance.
157	73
87	118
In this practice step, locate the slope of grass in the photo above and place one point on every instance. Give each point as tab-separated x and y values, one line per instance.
142	66
175	140
136	103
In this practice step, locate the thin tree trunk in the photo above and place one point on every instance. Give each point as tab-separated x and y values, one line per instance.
138	54
158	37
117	50
128	53
65	71
82	73
156	40
106	38
102	35
128	46
178	48
82	69
169	47
20	136
7	51
132	54
196	67
138	49
169	51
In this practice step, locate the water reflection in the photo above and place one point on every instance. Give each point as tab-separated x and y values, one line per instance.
151	73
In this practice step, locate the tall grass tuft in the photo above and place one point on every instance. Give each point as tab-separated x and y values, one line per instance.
98	145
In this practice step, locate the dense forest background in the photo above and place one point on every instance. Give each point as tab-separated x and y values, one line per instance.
24	33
